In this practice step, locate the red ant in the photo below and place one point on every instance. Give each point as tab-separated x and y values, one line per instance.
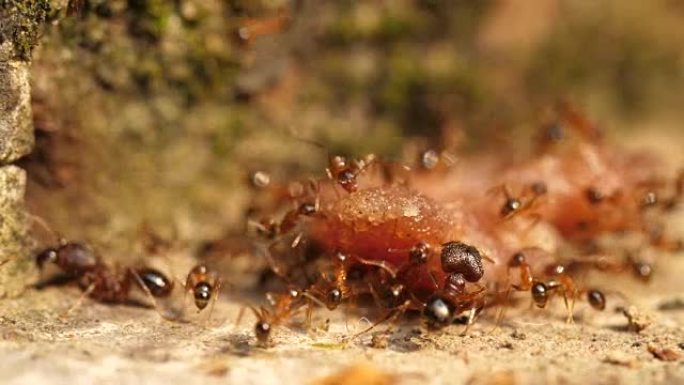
514	205
254	28
463	264
345	172
559	280
97	280
283	306
205	286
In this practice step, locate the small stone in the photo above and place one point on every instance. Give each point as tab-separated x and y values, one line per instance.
621	359
663	354
637	320
380	341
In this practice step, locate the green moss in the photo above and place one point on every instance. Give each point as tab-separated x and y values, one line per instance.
20	23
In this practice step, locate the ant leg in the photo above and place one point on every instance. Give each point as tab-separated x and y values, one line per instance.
238	319
309	314
502	311
570	305
215	294
389	317
471	317
297	240
79	301
43	223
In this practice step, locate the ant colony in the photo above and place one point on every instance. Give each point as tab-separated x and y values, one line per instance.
445	238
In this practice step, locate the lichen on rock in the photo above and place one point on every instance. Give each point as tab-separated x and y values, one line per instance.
20	23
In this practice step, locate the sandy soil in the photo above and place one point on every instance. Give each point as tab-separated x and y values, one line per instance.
128	344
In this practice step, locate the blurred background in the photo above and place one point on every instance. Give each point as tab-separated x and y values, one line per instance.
155	111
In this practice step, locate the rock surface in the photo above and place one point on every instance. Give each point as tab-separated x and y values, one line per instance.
16	127
13	231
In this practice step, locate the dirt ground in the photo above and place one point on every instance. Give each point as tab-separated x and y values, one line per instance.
120	344
128	344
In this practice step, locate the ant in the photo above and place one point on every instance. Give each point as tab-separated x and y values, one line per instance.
441	309
559	280
304	209
463	264
282	307
254	28
97	280
345	172
431	160
514	205
418	255
205	286
541	292
332	291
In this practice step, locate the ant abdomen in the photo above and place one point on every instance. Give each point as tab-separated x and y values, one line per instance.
439	312
155	281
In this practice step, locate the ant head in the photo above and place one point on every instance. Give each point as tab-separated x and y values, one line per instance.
333	298
202	293
347	179
392	296
262	330
649	199
429	159
337	163
307	209
517	260
555	269
260	179
155	282
419	253
540	294
294	293
642	270
438	312
340	257
510	206
199	269
596	299
457	257
594	196
553	132
46	256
